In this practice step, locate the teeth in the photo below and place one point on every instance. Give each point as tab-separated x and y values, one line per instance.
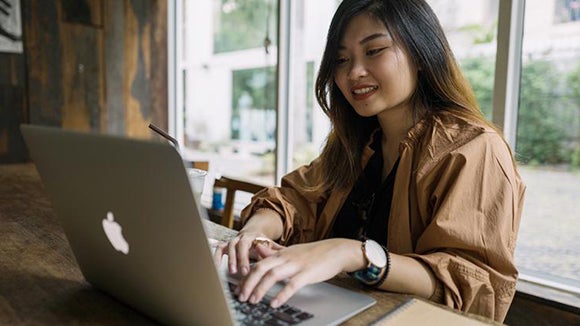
364	90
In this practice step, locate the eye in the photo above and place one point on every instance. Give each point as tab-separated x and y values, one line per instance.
375	51
341	60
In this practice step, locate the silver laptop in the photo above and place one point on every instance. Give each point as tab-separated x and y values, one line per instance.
130	217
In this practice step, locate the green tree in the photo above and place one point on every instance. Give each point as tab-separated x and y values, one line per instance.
548	112
252	89
573	81
480	73
244	24
540	133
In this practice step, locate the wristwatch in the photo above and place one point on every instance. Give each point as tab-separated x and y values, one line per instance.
376	258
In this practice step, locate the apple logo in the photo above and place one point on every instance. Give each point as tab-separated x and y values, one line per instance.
114	233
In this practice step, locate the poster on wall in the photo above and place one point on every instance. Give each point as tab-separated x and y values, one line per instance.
10	26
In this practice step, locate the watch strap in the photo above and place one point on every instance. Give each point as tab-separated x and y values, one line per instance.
372	275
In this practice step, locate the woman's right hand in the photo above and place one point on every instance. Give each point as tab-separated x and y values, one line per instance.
245	246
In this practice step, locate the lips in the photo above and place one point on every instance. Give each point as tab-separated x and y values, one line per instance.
363	92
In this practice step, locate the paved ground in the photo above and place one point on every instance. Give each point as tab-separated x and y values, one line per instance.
549	238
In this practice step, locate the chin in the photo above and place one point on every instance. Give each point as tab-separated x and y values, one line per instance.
366	113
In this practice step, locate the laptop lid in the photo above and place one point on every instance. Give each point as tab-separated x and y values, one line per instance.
130	217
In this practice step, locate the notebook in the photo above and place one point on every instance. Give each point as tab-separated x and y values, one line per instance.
130	217
418	312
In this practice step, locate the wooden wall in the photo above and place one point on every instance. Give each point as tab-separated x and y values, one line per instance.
98	65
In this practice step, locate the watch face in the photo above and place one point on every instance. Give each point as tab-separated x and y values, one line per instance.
375	254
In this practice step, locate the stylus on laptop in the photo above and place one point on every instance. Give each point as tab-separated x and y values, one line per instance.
165	135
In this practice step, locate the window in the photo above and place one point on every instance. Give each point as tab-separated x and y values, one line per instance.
548	145
256	118
230	84
226	65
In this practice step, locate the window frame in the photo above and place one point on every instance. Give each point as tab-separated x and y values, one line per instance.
510	35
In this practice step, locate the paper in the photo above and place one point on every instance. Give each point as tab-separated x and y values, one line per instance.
418	312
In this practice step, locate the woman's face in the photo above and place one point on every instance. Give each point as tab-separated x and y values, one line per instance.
373	73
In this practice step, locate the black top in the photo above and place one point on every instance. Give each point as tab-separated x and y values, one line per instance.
365	213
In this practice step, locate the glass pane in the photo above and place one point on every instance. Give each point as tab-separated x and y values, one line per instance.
254	18
310	126
548	141
471	28
567	11
229	88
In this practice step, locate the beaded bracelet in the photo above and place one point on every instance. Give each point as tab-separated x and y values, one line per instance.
386	271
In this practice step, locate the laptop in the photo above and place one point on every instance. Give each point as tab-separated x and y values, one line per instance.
137	233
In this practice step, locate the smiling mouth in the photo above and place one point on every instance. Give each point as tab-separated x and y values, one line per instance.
364	90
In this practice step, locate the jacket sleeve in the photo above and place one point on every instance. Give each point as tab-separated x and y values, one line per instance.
297	201
475	198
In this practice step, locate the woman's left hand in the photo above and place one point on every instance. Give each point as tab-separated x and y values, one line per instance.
299	265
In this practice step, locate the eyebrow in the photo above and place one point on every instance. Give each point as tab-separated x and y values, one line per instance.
367	39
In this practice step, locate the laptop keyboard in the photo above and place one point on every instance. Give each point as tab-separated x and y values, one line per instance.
262	314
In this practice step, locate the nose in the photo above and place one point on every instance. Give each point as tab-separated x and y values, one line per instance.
357	70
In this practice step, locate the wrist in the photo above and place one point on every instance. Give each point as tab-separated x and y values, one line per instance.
377	264
265	222
356	260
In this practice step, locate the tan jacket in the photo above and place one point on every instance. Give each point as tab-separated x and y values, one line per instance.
456	207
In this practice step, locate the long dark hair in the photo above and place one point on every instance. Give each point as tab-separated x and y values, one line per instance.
440	85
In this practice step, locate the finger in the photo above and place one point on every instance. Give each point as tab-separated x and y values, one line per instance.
219	253
276	246
232	255
273	276
248	284
243	258
266	250
290	288
213	243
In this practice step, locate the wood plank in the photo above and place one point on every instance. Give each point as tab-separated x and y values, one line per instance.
135	85
82	75
159	95
13	110
12	107
86	12
113	115
145	84
43	49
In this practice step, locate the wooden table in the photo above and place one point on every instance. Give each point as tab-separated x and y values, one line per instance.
40	282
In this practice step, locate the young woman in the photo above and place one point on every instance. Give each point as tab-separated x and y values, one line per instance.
414	192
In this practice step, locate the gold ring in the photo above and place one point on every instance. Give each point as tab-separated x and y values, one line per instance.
261	240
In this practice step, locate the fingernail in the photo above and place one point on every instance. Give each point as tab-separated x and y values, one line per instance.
233	269
274	303
253	299
245	271
242	297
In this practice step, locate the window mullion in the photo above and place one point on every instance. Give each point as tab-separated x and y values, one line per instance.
508	67
172	50
283	121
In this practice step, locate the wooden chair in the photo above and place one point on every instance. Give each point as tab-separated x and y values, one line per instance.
202	165
232	186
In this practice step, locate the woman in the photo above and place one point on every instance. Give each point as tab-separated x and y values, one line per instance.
414	192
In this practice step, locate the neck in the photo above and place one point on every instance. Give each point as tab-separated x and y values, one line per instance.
395	124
